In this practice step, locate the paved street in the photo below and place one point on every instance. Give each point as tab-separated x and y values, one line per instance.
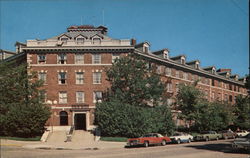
212	149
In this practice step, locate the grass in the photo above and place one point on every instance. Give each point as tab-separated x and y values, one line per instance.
114	139
22	139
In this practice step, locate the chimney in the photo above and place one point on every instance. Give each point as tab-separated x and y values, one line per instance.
133	42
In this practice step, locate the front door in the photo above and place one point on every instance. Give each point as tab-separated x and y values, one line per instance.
80	121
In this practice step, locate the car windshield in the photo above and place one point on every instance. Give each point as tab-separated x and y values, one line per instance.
177	134
159	135
147	135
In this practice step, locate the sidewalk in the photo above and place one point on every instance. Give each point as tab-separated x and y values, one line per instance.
64	145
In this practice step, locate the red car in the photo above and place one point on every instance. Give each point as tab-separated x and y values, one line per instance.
149	139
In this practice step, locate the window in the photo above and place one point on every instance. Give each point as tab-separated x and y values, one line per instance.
158	70
43	96
62	97
63	118
235	87
42	76
64	40
192	77
115	56
213	95
41	59
169	87
182	61
185	75
80	40
177	87
168	71
97	96
177	74
165	55
80	97
146	49
97	76
96	41
219	96
197	66
79	77
96	58
213	82
79	59
230	87
62	78
62	58
230	98
226	98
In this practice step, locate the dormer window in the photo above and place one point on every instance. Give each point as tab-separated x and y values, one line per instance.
96	41
197	65
182	60
165	55
64	39
80	40
146	49
62	58
213	71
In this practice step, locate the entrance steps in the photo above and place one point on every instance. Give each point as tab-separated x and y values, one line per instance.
56	136
82	137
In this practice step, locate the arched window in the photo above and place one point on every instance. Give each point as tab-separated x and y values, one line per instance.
63	118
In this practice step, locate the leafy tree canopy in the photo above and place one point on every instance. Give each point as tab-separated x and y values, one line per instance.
22	111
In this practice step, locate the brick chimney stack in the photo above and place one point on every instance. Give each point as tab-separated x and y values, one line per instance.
133	42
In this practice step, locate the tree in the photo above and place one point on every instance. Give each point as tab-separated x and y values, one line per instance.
189	101
134	104
22	110
242	112
215	116
199	113
132	83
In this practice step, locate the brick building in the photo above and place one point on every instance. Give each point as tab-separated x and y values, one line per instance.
72	66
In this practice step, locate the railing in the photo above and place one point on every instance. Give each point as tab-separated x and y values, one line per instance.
69	134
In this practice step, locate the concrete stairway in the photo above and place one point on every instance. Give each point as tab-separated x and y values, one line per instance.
57	136
82	137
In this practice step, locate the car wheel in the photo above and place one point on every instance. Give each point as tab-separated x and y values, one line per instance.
178	141
189	140
146	144
163	143
207	139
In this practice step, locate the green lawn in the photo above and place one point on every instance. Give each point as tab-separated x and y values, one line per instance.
114	139
22	139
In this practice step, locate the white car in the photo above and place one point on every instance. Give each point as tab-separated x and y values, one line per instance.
180	137
241	133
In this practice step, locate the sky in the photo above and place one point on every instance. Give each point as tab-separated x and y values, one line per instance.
216	32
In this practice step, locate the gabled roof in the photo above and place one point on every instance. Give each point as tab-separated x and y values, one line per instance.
160	51
209	68
192	62
141	44
178	57
80	35
20	43
64	35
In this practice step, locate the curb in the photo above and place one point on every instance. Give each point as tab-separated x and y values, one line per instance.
16	145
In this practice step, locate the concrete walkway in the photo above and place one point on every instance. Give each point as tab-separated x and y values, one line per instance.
85	145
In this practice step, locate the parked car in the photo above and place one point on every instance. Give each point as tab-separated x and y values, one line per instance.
149	139
208	135
227	134
242	143
180	137
241	133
